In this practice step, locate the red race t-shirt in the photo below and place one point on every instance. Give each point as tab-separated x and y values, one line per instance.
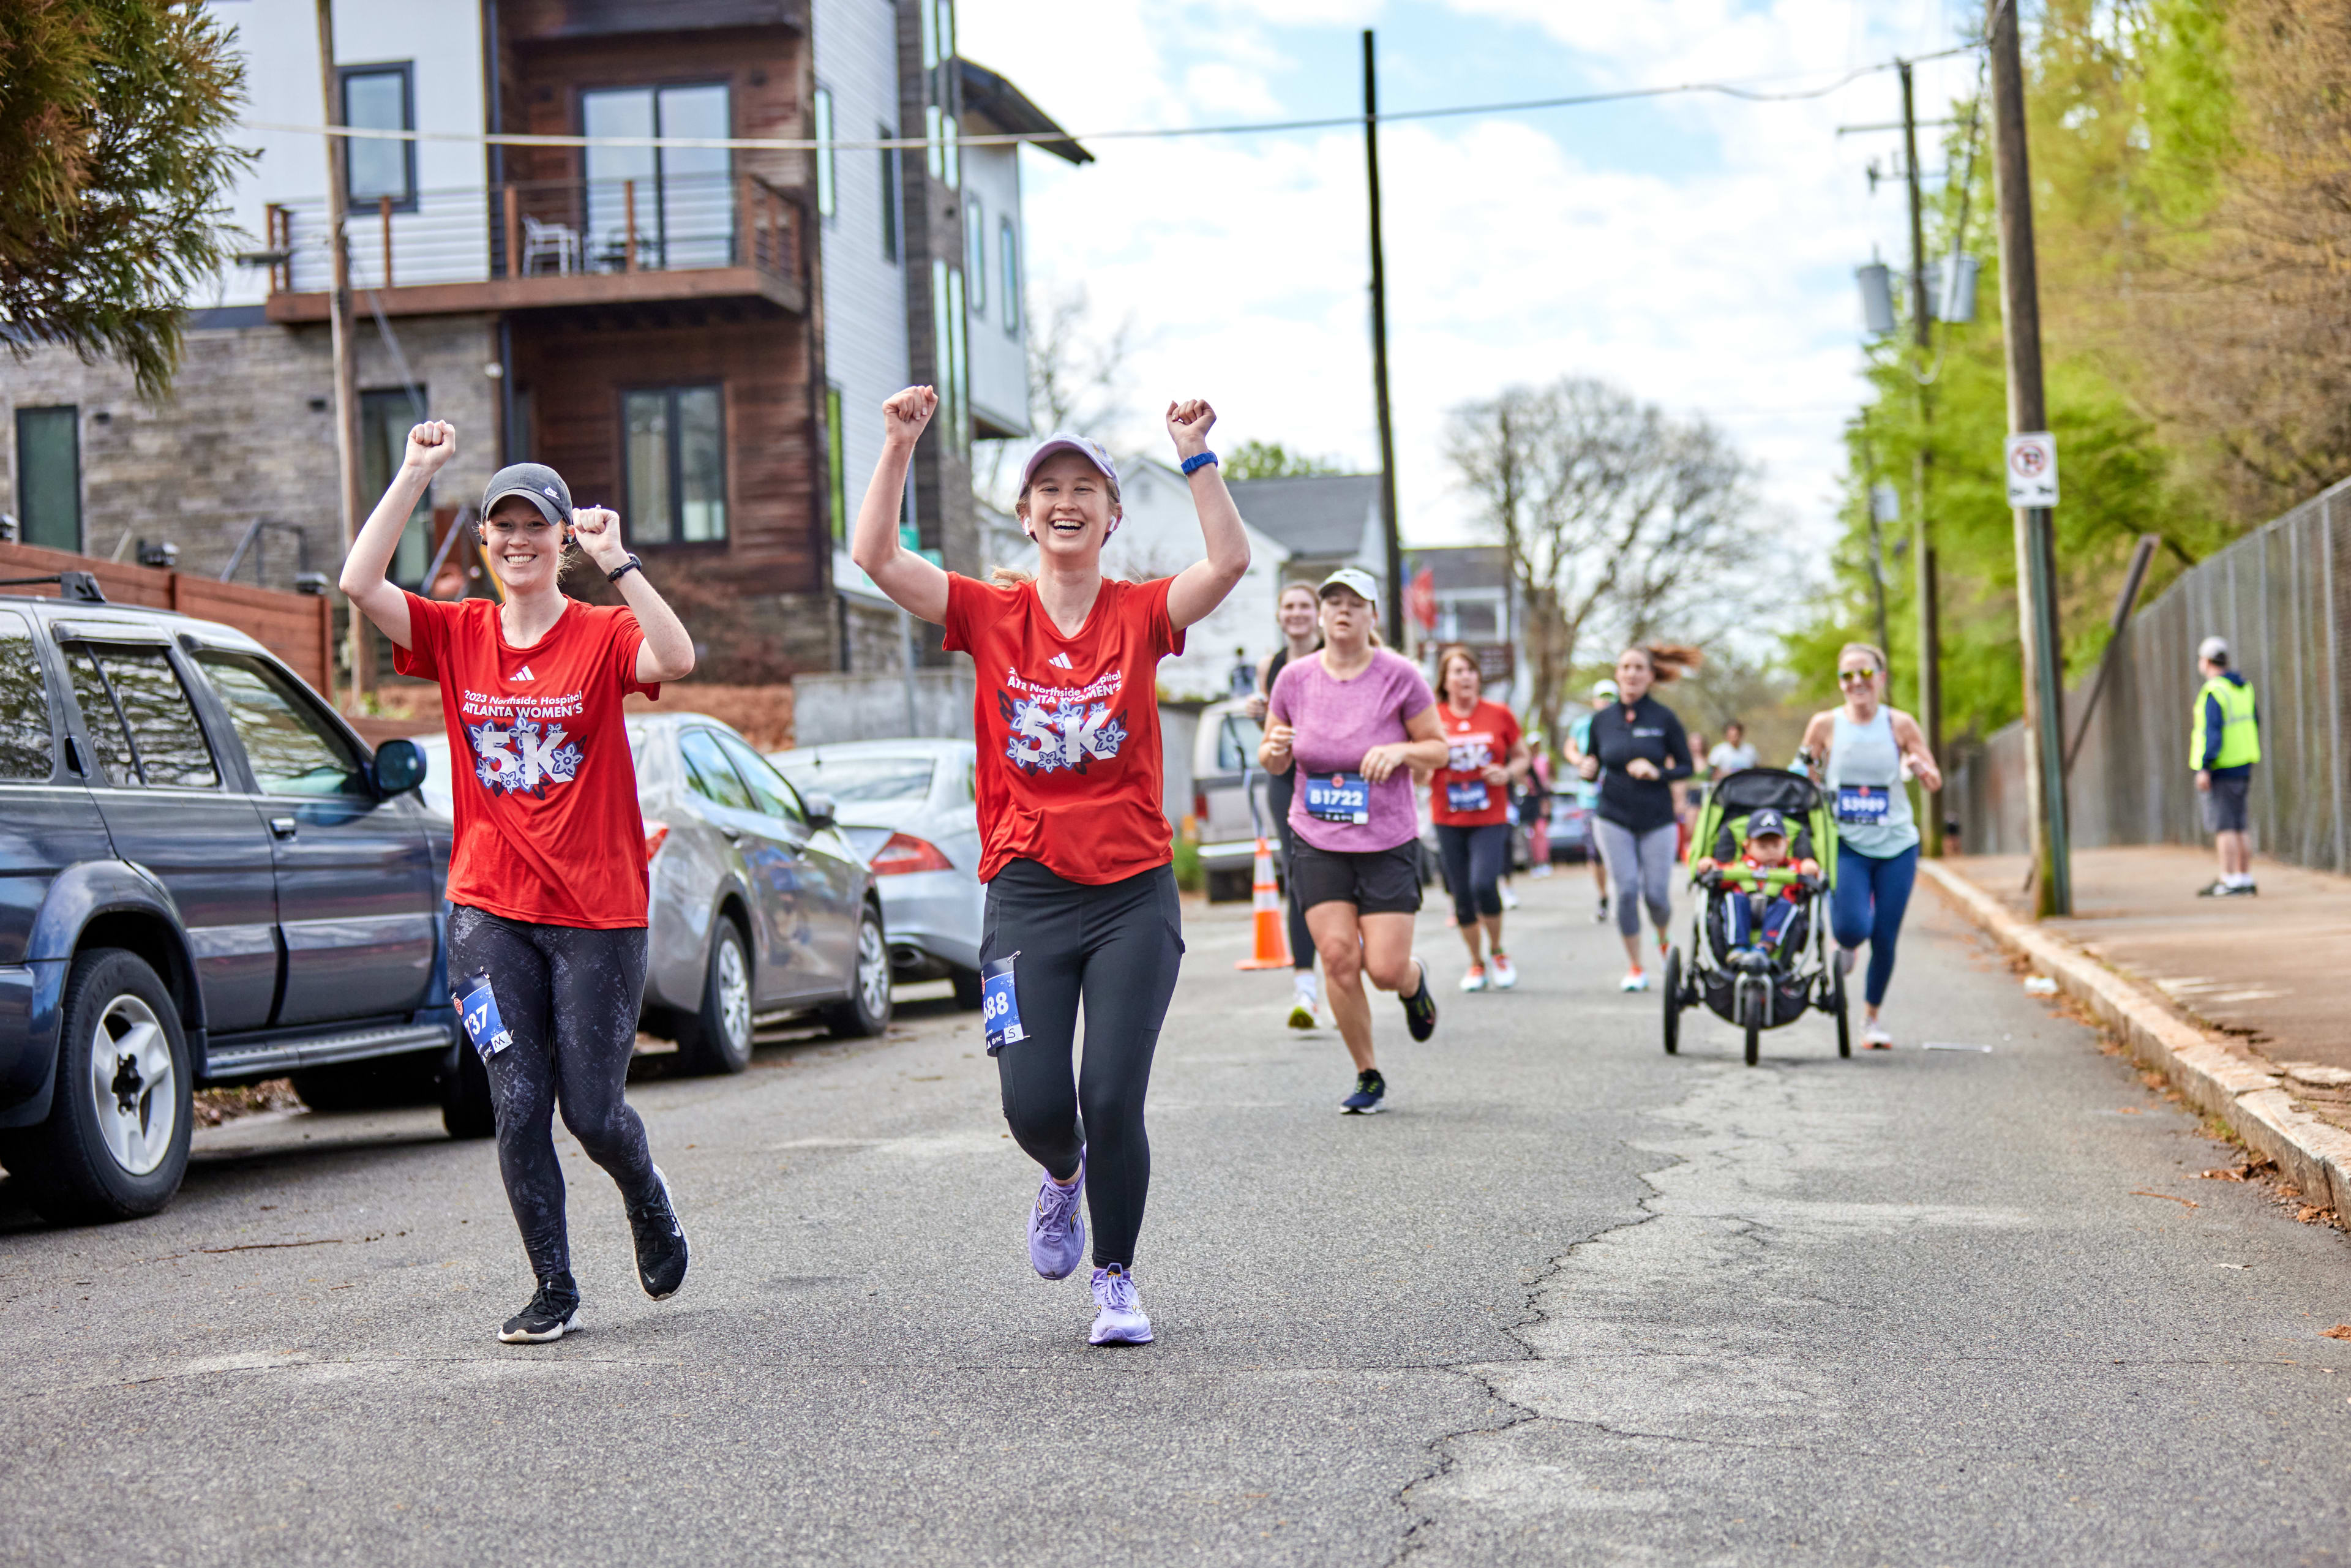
1458	793
1068	728
545	792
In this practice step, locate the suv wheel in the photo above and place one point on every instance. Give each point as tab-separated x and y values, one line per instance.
866	1011
718	1038
116	1143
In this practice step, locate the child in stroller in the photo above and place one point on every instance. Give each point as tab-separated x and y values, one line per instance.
1757	898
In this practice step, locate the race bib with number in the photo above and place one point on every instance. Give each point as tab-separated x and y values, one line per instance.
1864	805
1459	796
1000	1005
480	1013
1338	797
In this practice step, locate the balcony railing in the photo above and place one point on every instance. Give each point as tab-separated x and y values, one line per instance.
546	232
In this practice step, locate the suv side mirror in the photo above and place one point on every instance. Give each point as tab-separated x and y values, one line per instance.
399	766
820	810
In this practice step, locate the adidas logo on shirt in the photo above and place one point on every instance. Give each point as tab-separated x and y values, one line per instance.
1062	661
524	673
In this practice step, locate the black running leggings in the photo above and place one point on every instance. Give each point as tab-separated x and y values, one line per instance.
1116	947
1474	860
570	996
1278	788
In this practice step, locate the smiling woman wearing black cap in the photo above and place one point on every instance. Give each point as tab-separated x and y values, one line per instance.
1075	845
547	876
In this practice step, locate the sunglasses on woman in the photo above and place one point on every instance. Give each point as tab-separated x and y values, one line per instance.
1846	677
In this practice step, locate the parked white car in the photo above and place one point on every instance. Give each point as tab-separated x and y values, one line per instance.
907	806
761	907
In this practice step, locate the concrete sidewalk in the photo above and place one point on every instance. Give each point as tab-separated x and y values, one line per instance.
2245	1002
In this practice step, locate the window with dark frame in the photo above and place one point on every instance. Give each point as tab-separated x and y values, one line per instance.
385	417
1008	278
379	97
889	194
48	476
827	199
975	251
674	457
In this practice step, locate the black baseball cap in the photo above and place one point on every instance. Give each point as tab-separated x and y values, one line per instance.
1767	821
543	485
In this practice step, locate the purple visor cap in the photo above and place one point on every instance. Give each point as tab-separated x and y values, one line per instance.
1062	441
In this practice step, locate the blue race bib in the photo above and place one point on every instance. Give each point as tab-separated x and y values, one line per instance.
1338	797
479	1013
999	1004
1864	805
1461	797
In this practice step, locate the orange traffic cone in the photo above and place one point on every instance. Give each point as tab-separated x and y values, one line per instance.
1272	938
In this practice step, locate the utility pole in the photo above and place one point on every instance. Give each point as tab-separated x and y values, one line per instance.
1380	359
346	395
1922	550
2044	691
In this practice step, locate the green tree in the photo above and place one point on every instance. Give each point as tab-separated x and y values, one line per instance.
112	169
1272	460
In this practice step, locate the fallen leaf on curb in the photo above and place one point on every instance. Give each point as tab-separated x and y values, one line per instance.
2311	1213
2340	1331
2142	1192
2216	1173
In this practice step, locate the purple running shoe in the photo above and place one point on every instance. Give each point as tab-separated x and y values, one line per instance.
1057	1229
1121	1319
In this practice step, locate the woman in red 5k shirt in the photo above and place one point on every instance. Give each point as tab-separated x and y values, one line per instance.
1080	893
546	877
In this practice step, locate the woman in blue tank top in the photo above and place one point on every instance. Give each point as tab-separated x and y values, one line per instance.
1863	753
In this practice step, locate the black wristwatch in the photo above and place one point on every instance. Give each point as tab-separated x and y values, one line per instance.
626	567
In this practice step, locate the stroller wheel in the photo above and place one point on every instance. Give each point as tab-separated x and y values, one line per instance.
1837	1006
1673	1001
1754	1042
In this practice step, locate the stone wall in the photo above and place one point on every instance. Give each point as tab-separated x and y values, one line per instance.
249	432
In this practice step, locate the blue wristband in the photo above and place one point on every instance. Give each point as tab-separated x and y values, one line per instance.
1195	464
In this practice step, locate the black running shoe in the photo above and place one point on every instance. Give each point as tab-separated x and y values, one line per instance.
554	1311
661	1243
1370	1090
1420	1008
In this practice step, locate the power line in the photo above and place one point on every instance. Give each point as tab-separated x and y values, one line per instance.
1742	89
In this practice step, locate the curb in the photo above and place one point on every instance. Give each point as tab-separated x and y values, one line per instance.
2244	1093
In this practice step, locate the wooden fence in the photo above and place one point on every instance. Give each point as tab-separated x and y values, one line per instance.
296	627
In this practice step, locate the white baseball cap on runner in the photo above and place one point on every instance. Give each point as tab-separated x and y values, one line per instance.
2213	648
1355	581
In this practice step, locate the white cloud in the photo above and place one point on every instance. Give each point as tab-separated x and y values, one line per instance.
1725	287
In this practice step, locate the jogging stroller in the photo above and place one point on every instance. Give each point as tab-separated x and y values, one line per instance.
1758	986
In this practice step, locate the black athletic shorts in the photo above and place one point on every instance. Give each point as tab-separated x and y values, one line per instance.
1376	882
2224	803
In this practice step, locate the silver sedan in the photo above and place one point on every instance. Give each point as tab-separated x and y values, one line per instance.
760	906
909	807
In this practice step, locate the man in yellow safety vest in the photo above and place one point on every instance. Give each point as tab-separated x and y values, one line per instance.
2226	743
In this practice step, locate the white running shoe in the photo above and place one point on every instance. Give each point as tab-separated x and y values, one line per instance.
1634	981
1510	899
1475	980
1504	973
1120	1320
1877	1037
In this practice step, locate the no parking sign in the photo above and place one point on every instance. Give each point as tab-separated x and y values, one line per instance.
2033	470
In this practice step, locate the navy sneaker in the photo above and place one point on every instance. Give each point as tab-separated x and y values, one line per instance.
1120	1319
1370	1090
554	1311
1420	1008
1057	1228
661	1243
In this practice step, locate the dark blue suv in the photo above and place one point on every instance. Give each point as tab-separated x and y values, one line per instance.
205	878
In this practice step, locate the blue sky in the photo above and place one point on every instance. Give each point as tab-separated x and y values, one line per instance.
1695	249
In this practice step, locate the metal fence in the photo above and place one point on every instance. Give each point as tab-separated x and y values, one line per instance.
2278	595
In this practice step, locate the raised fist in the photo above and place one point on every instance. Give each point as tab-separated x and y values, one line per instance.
430	446
597	530
905	415
1188	422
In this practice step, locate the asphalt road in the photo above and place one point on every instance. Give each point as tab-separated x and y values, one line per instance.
1571	1302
